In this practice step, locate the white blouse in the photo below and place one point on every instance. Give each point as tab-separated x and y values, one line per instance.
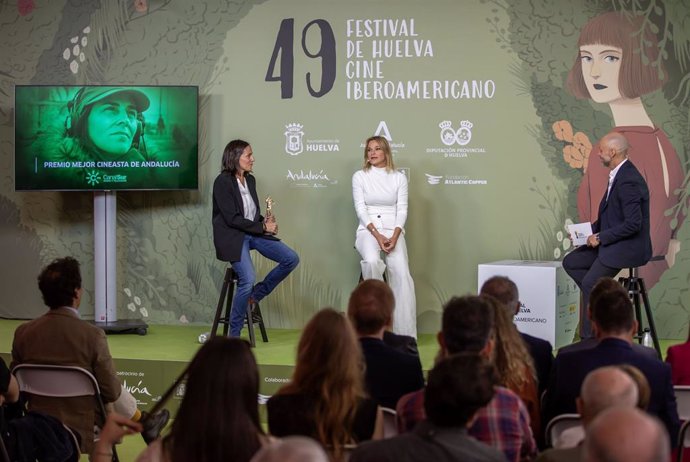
247	201
380	197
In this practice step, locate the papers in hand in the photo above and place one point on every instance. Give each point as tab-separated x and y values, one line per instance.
579	232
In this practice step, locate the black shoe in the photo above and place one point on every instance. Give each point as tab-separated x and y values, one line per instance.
153	424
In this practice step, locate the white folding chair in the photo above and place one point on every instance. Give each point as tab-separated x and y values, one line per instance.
558	425
683	440
682	393
390	426
59	382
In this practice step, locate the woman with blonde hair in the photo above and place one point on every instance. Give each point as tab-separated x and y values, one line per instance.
379	192
514	363
325	399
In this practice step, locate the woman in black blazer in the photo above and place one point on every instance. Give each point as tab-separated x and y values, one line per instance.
238	227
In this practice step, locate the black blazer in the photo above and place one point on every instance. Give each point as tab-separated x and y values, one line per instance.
623	223
390	373
229	224
570	369
542	355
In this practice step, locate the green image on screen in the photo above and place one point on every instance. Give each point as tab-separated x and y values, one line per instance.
101	138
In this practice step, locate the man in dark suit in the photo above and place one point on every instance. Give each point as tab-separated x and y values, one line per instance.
614	324
505	291
620	236
391	372
605	285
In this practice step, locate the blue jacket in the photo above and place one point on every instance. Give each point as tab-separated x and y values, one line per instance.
623	223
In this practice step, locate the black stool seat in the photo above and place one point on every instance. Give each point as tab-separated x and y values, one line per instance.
225	300
638	293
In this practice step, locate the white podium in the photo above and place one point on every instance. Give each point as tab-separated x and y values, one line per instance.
549	299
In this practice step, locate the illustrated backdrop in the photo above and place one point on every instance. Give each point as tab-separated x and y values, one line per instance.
471	94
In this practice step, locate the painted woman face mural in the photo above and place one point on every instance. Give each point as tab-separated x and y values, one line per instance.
617	62
601	70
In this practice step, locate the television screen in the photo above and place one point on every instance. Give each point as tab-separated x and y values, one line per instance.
99	138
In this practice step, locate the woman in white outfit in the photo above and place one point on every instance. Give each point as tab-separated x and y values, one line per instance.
380	195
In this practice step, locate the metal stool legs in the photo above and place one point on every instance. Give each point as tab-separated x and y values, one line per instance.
253	312
638	292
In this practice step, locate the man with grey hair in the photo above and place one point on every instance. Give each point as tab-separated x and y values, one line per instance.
602	389
624	435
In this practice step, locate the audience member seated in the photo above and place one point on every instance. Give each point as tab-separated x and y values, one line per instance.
678	357
218	418
602	389
506	291
292	449
626	435
325	398
459	386
467	326
9	389
404	343
390	373
614	325
603	286
60	337
514	364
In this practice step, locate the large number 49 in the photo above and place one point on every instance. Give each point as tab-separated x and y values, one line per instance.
284	48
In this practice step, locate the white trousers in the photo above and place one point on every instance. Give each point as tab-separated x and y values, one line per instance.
399	278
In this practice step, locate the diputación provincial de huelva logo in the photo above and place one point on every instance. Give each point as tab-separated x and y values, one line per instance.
296	144
456	141
461	136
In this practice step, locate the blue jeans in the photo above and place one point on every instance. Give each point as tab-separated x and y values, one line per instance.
287	260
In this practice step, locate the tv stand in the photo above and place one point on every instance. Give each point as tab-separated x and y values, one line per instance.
105	268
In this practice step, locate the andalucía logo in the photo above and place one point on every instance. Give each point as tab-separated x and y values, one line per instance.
450	136
293	139
93	177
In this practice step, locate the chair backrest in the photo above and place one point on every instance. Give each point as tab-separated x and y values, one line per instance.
683	440
682	393
57	381
561	423
390	426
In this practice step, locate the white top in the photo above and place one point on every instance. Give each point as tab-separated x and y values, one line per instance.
380	198
247	201
612	176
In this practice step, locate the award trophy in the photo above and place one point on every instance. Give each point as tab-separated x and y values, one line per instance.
269	211
269	208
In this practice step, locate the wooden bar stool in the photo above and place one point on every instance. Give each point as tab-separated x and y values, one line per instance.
225	301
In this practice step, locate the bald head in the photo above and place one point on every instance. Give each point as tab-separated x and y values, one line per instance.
613	149
617	141
605	388
623	435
